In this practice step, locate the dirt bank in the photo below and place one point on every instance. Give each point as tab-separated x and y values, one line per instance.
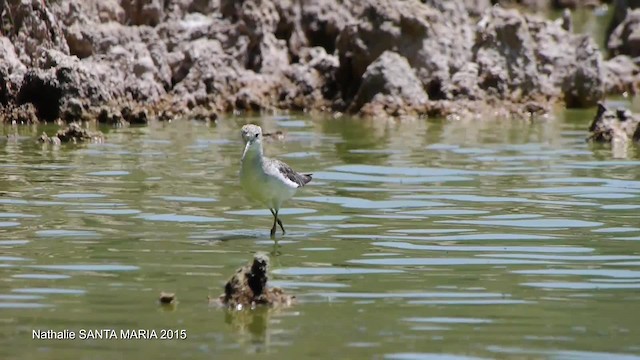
129	61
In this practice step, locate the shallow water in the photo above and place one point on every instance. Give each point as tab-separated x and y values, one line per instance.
415	240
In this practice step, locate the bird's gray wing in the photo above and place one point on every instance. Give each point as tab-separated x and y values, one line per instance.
289	173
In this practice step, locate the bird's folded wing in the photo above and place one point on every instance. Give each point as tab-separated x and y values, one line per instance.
289	173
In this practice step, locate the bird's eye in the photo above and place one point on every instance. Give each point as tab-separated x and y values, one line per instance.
257	135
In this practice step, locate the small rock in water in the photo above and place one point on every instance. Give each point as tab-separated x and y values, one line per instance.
249	287
167	298
619	126
73	133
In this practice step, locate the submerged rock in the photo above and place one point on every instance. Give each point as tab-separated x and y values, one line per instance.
614	126
73	133
167	298
248	287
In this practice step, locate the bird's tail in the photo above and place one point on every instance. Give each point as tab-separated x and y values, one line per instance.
306	178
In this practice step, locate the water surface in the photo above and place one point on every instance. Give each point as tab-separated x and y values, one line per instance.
416	240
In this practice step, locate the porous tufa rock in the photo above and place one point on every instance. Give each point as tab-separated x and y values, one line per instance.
249	287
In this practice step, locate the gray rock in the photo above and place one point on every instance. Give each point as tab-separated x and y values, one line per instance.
464	83
86	12
435	42
322	22
504	52
625	39
11	71
143	12
36	28
167	58
474	7
136	56
620	9
585	85
390	79
622	75
58	80
313	81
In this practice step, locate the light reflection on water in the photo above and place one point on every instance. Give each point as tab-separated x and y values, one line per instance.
415	240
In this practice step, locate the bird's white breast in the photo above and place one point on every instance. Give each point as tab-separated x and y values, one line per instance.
265	187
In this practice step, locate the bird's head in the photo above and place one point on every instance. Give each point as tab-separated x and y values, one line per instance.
252	136
251	133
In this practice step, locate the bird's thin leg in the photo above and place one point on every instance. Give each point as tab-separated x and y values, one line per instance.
275	220
281	227
275	214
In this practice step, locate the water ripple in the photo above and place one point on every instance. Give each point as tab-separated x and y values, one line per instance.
536	249
621	274
300	271
181	218
88	267
445	261
530	223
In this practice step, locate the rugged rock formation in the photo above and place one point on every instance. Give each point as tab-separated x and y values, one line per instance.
61	82
556	4
81	59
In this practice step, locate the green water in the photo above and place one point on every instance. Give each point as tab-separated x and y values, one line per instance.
471	239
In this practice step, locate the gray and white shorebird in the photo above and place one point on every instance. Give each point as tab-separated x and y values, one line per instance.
269	181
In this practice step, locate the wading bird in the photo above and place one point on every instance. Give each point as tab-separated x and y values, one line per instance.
269	181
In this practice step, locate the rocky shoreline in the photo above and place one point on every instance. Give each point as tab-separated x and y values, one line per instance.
131	61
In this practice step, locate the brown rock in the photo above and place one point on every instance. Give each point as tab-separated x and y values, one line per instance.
24	114
73	133
614	126
167	298
249	287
